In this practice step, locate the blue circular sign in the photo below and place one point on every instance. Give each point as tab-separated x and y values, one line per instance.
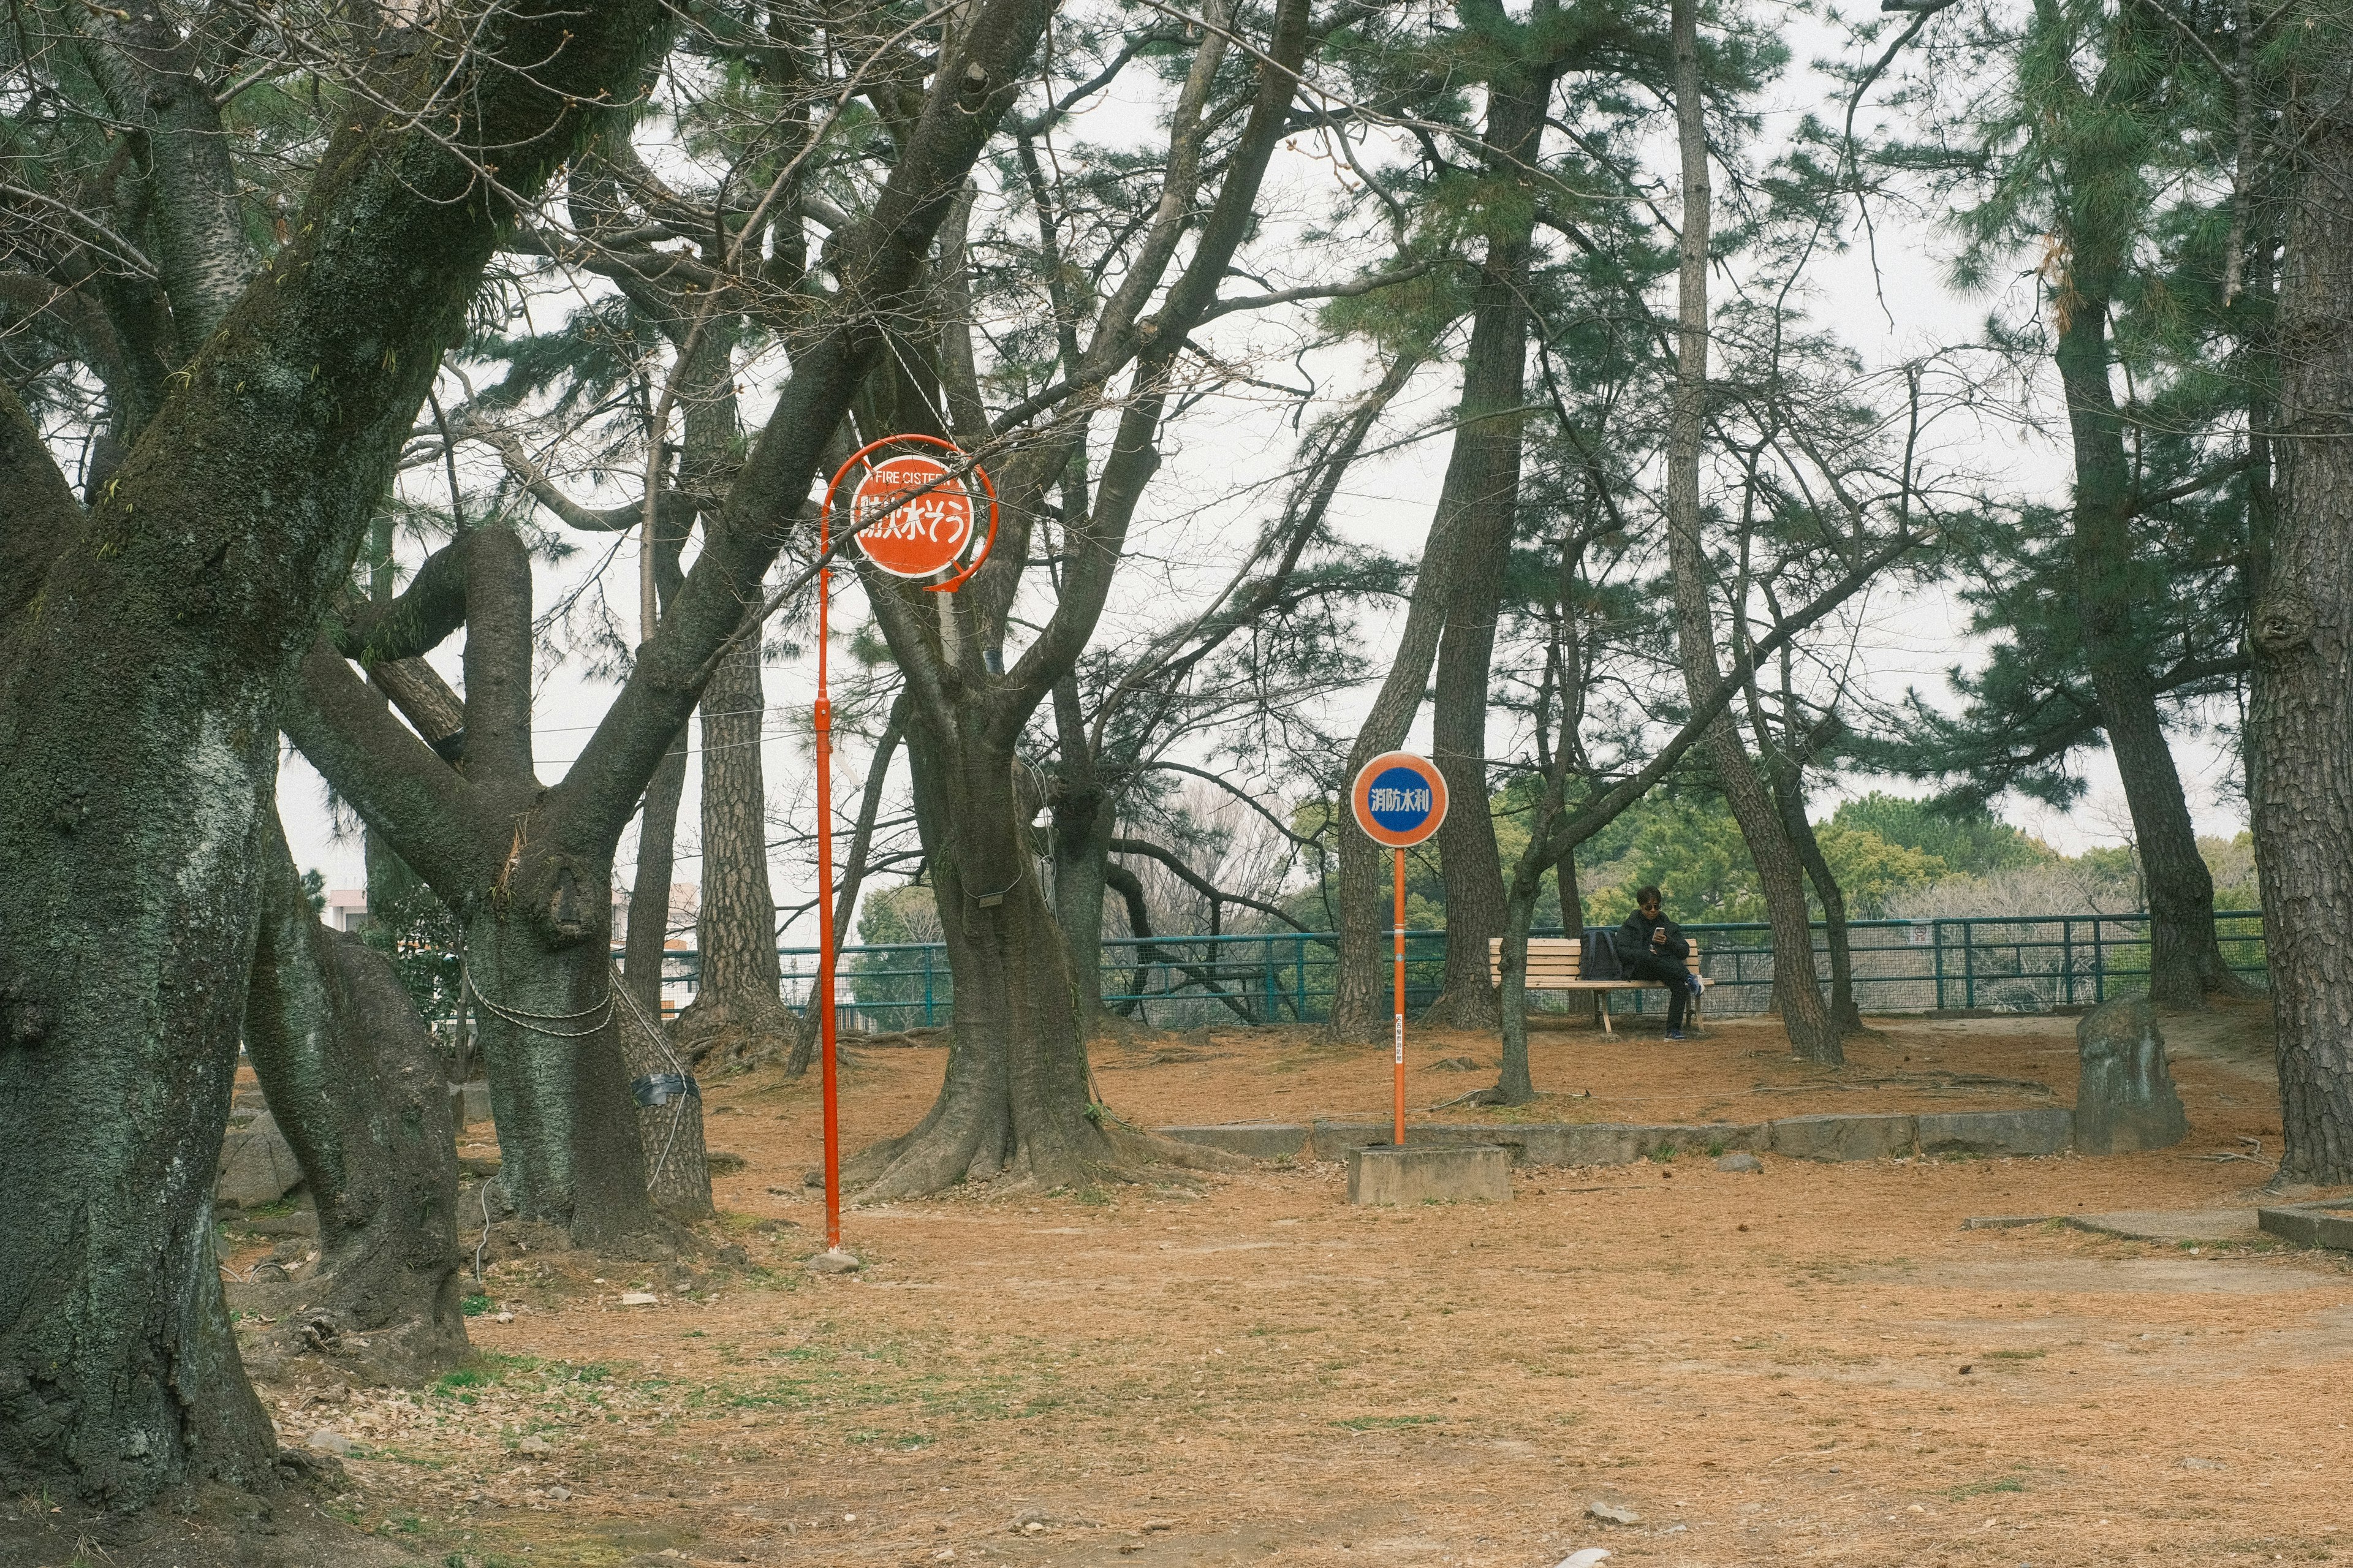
1401	799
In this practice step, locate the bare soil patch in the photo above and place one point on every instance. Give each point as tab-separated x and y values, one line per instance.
1813	1365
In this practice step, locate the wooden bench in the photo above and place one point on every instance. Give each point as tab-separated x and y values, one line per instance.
1554	962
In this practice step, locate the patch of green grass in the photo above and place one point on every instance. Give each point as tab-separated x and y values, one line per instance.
1664	1154
1979	1488
474	1306
2016	1355
1378	1423
1715	1150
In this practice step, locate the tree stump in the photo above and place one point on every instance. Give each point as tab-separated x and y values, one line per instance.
2124	1098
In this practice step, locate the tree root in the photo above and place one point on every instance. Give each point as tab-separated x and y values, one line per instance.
711	1034
924	1162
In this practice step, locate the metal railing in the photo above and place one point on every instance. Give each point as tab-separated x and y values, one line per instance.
1999	962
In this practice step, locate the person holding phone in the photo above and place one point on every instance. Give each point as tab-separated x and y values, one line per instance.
1652	947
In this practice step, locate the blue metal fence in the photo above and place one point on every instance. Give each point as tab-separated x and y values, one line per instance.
2003	962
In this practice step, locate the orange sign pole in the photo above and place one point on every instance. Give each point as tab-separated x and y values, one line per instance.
824	955
893	494
1397	1082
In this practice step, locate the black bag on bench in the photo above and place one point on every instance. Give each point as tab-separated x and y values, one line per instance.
1599	960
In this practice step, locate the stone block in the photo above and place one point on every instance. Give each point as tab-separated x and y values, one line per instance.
2310	1225
2124	1098
1254	1140
1434	1172
1843	1137
256	1164
469	1103
2037	1130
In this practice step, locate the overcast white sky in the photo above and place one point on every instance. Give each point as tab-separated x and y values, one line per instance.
1213	492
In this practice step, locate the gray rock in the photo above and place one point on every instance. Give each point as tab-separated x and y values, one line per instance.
1612	1513
327	1440
2124	1098
1749	1163
256	1166
835	1263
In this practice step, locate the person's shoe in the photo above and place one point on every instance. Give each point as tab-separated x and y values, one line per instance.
1677	1035
1695	986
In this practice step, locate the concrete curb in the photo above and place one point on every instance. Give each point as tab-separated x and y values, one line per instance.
2328	1223
2047	1130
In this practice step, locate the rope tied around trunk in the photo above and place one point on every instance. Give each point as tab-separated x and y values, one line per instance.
535	1023
686	1088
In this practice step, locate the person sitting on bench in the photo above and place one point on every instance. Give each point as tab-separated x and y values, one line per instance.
1652	947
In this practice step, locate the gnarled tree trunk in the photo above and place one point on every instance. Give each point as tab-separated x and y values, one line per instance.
139	703
350	1075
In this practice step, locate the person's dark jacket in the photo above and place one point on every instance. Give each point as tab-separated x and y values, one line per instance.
1634	938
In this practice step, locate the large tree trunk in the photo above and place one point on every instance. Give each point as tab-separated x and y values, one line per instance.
538	909
1016	1101
568	1144
140	711
1015	1097
2185	958
738	1011
350	1075
1488	445
2301	721
1812	1035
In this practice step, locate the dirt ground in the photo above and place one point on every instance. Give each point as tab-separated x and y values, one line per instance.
1814	1364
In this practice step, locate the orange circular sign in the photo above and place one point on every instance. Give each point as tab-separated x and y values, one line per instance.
1399	799
912	518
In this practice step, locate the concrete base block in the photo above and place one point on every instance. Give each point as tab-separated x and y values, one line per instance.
1844	1137
1254	1140
470	1103
1460	1174
2044	1130
2310	1225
